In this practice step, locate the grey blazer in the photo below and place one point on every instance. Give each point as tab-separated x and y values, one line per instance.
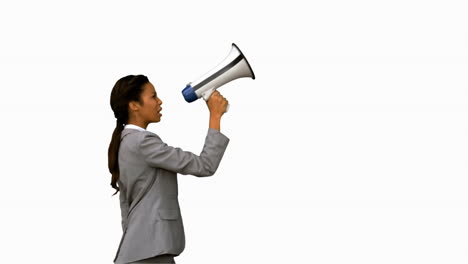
151	219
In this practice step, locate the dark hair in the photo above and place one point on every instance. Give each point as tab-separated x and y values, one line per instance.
126	89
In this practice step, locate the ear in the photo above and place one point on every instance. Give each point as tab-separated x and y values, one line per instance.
133	106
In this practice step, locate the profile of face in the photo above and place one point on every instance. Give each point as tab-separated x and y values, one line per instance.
150	109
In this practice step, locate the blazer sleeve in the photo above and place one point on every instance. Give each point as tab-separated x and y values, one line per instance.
158	154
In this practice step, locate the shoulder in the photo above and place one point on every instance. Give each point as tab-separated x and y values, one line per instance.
145	137
136	136
146	133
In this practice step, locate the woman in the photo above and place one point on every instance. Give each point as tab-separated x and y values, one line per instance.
144	169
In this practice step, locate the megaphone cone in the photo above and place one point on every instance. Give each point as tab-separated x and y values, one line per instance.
234	66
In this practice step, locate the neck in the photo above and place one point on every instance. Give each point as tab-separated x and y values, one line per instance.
140	124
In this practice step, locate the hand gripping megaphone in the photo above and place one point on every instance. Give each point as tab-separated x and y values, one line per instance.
234	66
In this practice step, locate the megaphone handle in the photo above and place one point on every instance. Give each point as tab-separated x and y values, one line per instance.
207	95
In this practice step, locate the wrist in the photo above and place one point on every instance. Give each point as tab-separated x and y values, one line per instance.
215	116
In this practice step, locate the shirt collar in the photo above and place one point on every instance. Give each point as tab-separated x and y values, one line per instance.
132	126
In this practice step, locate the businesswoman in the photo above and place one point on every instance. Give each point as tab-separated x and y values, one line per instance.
144	169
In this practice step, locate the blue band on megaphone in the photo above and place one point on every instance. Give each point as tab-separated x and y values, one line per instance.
189	94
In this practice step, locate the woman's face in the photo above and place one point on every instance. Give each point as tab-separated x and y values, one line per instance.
149	112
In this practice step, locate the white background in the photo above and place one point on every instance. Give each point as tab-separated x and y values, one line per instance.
350	146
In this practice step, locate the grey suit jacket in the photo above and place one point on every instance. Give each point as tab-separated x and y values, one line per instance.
151	219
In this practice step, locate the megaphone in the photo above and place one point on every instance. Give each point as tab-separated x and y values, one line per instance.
234	66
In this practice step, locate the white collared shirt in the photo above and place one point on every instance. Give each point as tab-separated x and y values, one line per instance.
134	127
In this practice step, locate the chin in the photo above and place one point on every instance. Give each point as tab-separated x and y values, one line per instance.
154	121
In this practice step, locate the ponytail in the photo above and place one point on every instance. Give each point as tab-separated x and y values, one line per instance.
113	154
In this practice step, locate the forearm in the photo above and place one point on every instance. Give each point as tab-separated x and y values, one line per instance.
215	122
